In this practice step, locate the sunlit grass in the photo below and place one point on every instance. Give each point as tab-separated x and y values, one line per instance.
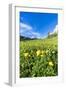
39	57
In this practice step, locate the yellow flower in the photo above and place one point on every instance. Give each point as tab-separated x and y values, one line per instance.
42	52
51	63
26	54
38	52
41	55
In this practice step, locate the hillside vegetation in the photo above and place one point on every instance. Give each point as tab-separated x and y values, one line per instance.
38	57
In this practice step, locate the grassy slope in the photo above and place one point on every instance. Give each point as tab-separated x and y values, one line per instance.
43	43
35	66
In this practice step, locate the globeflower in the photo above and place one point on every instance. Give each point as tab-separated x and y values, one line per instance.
41	55
26	54
42	52
38	52
51	63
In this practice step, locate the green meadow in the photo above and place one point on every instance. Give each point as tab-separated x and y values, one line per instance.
39	57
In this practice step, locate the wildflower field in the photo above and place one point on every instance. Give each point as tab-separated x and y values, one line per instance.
39	58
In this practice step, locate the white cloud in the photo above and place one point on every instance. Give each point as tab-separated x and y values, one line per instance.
25	26
55	30
35	35
28	31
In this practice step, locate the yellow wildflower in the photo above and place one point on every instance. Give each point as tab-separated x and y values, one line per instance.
42	52
38	52
51	63
41	55
26	54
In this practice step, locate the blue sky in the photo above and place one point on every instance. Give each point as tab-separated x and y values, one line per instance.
37	25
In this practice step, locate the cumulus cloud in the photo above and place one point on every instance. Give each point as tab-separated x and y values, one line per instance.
28	31
25	26
35	35
55	30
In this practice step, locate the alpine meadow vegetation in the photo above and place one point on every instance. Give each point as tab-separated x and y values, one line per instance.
39	57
